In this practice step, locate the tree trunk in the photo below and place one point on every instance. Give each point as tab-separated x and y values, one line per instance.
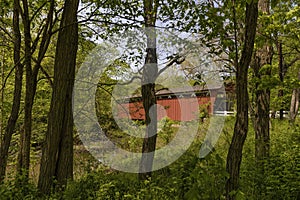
5	143
234	156
148	91
3	63
57	156
263	56
294	103
281	77
25	136
31	84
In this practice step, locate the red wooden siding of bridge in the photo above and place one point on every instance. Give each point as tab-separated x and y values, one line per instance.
178	106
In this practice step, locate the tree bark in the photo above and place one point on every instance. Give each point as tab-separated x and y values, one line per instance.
234	156
294	108
31	84
57	156
263	56
149	76
25	136
5	143
3	63
281	77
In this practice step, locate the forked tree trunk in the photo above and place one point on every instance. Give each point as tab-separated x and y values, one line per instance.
57	156
148	91
234	157
5	143
25	136
31	84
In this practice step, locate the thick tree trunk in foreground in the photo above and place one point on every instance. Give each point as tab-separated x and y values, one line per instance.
263	57
148	91
234	156
5	143
57	157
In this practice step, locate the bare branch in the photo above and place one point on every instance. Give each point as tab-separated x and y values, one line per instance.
37	11
47	76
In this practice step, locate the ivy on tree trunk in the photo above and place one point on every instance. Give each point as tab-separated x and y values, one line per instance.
261	122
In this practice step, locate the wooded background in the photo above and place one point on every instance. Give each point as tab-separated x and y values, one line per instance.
43	44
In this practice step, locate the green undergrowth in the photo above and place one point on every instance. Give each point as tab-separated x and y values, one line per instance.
193	178
190	177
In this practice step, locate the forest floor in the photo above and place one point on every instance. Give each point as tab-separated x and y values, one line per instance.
190	177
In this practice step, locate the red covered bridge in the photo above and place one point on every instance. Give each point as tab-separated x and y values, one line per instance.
180	104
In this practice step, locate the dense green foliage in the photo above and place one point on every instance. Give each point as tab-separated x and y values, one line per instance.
190	177
219	26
